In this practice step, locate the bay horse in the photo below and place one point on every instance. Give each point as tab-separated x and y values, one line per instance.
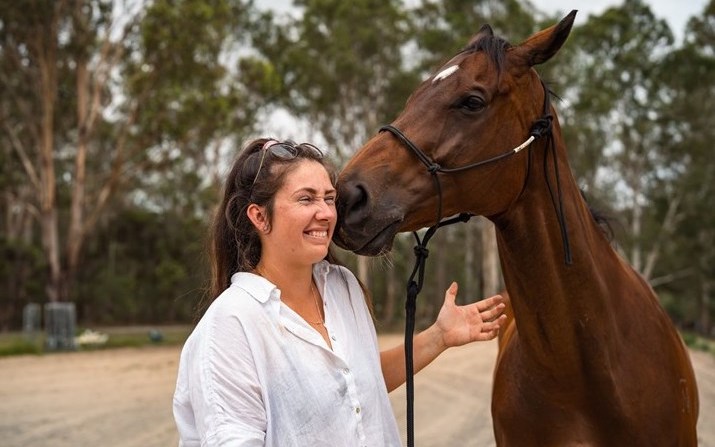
590	359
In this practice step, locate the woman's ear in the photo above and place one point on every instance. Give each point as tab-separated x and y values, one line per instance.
257	215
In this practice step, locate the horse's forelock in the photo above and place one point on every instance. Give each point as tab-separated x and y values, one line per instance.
493	47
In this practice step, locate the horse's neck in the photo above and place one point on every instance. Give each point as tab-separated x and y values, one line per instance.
556	304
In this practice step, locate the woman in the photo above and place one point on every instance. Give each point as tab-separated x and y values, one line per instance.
287	354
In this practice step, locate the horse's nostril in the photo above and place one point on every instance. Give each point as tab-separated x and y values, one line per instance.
354	200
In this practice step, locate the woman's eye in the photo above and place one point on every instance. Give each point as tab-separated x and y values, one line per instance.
330	200
305	199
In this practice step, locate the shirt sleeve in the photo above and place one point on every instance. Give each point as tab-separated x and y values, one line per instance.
225	391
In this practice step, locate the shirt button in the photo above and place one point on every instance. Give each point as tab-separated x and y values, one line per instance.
332	337
346	371
357	410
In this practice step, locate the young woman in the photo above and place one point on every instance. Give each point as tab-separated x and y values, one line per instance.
287	354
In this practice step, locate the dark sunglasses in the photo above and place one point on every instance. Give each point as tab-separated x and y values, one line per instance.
286	151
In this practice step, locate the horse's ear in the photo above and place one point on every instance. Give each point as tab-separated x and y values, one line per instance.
540	47
484	31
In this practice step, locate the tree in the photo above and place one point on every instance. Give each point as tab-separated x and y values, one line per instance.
342	68
616	95
687	272
98	101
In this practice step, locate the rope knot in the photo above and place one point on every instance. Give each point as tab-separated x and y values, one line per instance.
433	168
541	126
421	252
413	289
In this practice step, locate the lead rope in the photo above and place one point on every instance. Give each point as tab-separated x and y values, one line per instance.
413	289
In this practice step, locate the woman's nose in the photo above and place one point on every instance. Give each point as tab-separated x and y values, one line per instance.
326	211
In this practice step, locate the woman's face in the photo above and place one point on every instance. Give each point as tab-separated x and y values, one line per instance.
304	216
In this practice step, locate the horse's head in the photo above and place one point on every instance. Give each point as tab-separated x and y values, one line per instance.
479	105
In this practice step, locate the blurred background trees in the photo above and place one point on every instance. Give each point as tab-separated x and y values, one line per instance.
118	120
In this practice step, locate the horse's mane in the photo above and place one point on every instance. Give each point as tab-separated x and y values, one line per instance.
603	220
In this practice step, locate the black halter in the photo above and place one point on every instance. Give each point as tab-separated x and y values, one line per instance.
540	128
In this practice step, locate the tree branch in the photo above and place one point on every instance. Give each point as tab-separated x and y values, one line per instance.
670	277
26	163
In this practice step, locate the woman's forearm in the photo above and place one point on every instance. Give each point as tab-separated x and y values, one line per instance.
427	346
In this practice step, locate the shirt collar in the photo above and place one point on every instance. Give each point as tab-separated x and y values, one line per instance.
262	290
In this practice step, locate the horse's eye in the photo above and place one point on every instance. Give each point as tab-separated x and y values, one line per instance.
472	103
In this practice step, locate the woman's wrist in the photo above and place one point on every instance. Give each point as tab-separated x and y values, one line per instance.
435	339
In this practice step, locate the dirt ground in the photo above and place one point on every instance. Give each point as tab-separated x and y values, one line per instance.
122	398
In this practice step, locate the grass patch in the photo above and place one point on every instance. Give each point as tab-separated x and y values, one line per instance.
16	343
139	336
698	343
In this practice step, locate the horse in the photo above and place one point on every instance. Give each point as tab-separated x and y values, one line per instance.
590	358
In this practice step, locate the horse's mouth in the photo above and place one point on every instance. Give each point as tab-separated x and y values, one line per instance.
380	243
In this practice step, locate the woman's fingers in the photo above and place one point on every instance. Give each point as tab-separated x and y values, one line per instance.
492	301
492	313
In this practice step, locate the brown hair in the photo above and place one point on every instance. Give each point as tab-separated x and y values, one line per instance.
255	177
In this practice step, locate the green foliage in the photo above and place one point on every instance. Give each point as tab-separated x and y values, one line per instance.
698	343
144	267
17	344
442	28
189	94
22	276
339	59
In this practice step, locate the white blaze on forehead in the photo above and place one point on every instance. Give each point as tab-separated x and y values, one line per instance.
445	73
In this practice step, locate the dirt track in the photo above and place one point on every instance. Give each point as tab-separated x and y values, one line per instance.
122	398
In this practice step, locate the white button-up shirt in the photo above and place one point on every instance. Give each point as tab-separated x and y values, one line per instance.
254	373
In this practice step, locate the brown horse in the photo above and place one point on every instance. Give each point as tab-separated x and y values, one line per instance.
593	360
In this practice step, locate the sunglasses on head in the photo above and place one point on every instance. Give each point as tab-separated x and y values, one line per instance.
286	150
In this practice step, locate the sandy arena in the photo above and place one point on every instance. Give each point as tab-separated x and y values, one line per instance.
122	398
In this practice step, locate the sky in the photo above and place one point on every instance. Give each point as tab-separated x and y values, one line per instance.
676	12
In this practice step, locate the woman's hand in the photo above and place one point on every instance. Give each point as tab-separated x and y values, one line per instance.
478	321
455	326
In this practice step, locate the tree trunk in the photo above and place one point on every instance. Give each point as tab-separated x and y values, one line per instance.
705	322
75	231
441	281
490	259
470	269
363	270
390	300
706	283
46	53
667	228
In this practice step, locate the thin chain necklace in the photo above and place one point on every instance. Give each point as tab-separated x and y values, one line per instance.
317	307
312	293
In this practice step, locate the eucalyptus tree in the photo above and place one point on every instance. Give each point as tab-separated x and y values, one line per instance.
98	100
441	28
341	65
687	266
618	100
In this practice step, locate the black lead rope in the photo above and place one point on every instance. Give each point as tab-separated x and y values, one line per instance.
541	127
413	289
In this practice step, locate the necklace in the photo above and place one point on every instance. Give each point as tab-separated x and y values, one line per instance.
312	293
315	301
